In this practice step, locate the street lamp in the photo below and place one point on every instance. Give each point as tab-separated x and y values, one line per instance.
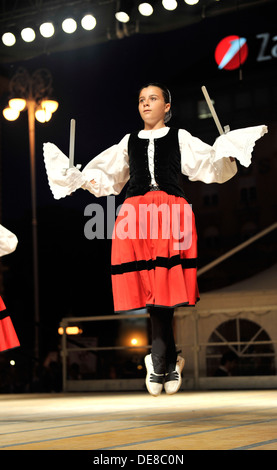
31	93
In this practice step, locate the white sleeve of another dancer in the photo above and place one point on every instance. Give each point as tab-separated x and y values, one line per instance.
8	241
109	170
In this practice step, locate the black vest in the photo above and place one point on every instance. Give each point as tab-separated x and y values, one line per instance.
167	164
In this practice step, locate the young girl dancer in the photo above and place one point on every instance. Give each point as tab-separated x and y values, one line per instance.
8	336
155	264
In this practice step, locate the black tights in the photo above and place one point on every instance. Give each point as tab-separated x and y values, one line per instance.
163	343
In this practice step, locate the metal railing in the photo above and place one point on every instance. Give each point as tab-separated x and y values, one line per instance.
197	347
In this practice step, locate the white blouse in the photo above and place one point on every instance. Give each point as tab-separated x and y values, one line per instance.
110	169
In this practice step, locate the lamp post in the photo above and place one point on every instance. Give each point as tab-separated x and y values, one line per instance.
31	93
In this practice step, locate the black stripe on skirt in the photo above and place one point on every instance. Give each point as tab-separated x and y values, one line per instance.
160	261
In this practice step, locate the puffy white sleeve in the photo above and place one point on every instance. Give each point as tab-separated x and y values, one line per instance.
109	170
8	241
211	164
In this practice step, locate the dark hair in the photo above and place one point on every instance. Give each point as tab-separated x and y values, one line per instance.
166	95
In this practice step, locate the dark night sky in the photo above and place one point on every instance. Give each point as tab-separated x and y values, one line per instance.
98	87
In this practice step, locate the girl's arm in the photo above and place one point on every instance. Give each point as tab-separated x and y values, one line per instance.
216	164
104	175
108	172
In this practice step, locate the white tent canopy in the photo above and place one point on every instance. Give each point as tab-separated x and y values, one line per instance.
259	292
254	299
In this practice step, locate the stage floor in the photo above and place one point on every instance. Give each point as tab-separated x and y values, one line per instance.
204	420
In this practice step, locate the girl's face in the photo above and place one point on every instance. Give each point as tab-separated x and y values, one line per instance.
152	107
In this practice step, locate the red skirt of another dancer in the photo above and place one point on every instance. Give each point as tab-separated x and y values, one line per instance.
8	336
154	253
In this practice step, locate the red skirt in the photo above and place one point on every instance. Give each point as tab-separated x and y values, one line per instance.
154	253
8	336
